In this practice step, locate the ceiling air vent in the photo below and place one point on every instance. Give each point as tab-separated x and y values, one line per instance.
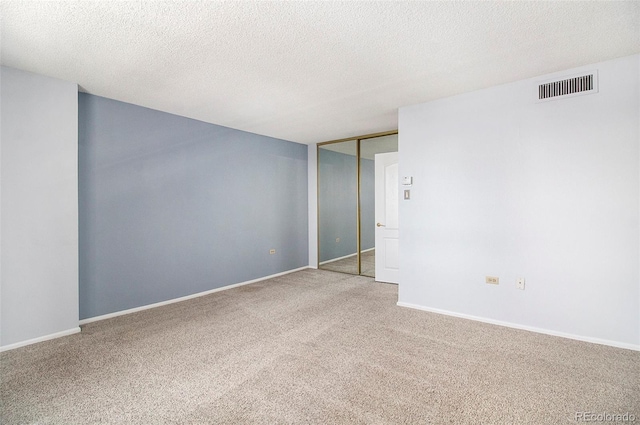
572	86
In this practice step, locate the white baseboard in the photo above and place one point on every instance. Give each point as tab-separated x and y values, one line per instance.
40	339
187	297
524	327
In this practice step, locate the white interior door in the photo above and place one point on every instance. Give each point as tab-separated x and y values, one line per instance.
386	205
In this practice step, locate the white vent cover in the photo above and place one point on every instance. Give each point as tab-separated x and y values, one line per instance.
586	83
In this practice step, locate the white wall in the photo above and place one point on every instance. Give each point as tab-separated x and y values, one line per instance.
505	186
312	176
38	207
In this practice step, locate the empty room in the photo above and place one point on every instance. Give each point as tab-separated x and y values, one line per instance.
381	212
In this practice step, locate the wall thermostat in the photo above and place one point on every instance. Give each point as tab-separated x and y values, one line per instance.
407	181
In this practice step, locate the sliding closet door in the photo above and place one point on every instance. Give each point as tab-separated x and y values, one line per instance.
370	191
338	206
346	202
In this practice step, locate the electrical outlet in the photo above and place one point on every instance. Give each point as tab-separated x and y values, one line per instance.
272	251
520	283
492	280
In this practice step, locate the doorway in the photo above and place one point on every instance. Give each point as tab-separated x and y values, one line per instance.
347	222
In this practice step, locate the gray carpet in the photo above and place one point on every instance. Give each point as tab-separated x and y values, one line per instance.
311	347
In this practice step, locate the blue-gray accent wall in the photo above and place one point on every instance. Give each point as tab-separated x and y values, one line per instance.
170	206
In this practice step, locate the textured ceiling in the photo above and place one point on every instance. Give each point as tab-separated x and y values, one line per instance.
306	71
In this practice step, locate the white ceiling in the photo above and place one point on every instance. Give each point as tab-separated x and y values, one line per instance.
306	71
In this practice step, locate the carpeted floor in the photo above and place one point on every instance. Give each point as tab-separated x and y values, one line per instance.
311	347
